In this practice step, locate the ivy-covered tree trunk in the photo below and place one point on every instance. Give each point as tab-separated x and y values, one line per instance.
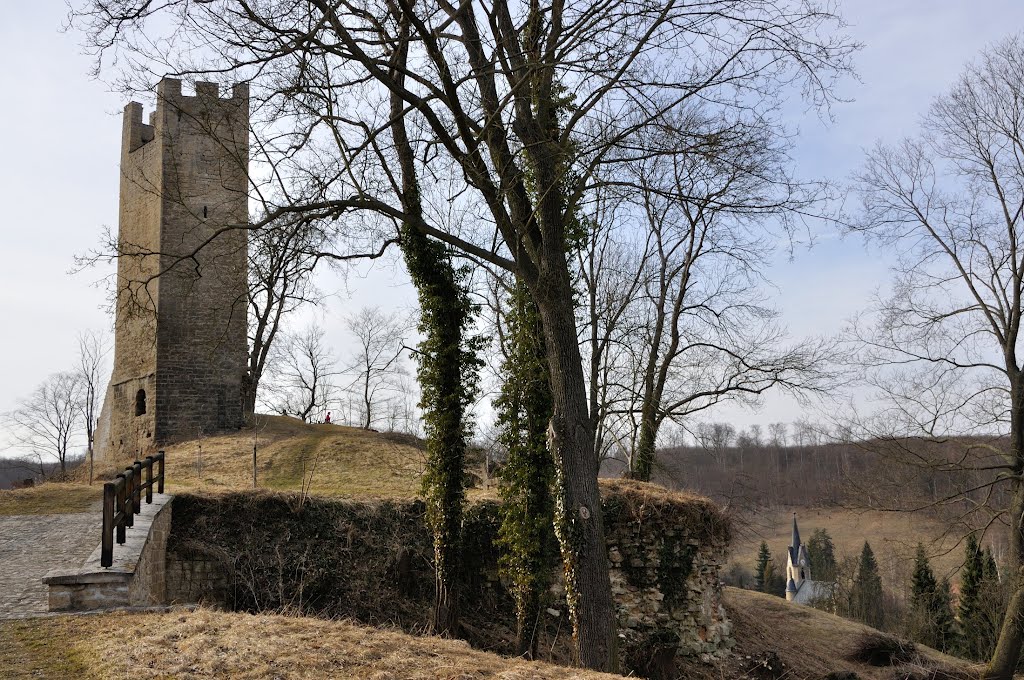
524	411
447	367
578	521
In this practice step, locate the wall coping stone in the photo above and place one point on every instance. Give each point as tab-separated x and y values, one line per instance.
126	556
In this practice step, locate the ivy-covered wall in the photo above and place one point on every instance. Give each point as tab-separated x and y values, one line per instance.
371	561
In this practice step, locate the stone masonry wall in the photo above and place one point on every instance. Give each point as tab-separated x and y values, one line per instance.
201	323
137	577
666	554
371	562
180	327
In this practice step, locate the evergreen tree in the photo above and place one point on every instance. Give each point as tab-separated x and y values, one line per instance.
991	572
774	582
822	555
991	606
866	593
946	636
971	577
932	620
923	583
764	556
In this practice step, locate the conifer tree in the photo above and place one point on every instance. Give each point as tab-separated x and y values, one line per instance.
991	606
932	618
774	583
991	572
946	635
866	594
764	556
923	583
982	602
822	555
971	576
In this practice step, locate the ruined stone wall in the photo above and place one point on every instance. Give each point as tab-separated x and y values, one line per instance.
371	562
666	554
180	329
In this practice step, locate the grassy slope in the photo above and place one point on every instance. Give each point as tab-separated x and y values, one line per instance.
810	642
51	499
208	644
346	461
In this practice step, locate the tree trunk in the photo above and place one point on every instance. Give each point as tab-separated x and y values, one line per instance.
1004	659
578	520
1011	635
644	460
445	370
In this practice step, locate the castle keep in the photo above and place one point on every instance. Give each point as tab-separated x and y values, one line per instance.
180	329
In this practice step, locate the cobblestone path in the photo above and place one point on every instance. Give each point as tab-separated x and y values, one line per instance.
30	546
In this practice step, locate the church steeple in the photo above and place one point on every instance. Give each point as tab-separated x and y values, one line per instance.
794	543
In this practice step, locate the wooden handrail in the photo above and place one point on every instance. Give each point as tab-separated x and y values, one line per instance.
122	500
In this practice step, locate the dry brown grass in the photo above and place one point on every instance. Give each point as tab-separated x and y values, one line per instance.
348	461
51	498
893	538
810	642
209	644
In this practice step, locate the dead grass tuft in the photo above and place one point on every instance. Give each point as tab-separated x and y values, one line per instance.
879	649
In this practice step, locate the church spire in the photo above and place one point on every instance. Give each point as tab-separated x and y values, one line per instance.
795	541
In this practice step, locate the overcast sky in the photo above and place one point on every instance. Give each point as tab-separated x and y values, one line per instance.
62	135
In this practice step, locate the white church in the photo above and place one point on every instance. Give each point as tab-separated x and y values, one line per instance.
800	588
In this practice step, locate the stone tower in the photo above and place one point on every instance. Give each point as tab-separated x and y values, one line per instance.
180	328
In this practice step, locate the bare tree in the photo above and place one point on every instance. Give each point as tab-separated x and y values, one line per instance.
469	100
48	423
942	350
700	330
301	375
778	434
376	361
281	262
93	347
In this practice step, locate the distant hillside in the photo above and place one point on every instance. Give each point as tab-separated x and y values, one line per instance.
851	490
865	474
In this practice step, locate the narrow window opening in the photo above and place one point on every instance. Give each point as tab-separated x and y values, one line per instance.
204	212
802	575
140	402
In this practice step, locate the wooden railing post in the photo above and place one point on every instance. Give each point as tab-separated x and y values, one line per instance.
128	502
136	487
149	478
160	477
121	522
107	541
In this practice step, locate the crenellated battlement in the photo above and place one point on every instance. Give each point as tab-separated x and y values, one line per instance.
169	97
169	90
